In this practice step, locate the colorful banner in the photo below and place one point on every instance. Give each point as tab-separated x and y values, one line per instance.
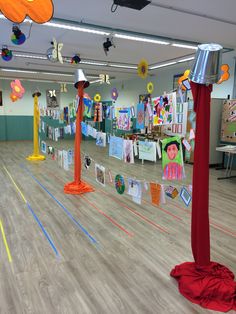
140	116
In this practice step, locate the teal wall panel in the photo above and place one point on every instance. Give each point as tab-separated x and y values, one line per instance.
16	128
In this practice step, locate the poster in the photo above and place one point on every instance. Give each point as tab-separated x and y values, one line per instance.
140	116
84	128
155	190
53	98
163	109
128	151
135	190
179	126
172	159
228	124
101	139
100	174
123	119
116	147
147	151
43	147
120	184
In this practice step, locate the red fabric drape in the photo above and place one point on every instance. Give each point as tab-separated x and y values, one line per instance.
206	283
200	202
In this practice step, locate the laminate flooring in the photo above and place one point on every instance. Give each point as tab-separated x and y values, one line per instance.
100	252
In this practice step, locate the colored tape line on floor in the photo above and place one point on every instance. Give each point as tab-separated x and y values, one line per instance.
77	223
5	242
33	213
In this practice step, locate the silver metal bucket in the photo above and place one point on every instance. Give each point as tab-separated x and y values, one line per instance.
80	77
206	67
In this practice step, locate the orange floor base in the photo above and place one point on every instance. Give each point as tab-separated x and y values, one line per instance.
74	188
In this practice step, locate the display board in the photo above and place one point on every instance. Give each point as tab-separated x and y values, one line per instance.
228	123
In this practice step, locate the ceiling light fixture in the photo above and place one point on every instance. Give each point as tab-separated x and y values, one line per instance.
94	63
18	71
96	81
143	39
76	28
185	59
58	74
30	56
185	46
162	65
122	66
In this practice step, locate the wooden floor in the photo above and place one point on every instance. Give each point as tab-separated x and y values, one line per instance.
114	256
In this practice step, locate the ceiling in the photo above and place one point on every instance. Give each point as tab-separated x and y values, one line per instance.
188	20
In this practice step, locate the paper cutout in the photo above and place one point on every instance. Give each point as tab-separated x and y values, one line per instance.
128	151
143	68
116	147
185	196
17	89
101	139
120	184
147	150
100	174
172	159
191	134
155	190
114	94
98	112
140	116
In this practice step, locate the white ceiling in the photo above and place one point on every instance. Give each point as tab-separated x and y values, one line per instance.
178	19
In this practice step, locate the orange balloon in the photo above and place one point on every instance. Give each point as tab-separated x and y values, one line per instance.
40	11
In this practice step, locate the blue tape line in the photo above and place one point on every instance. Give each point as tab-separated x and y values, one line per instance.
43	229
63	207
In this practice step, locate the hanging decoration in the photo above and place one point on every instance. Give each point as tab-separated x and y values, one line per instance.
40	11
75	59
97	97
18	38
64	88
182	80
143	68
104	78
13	97
120	184
6	54
114	93
17	89
54	52
225	75
150	87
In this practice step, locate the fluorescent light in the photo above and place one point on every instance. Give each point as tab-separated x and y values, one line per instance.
122	66
30	56
185	46
143	39
93	63
58	74
76	28
162	65
19	71
186	59
96	81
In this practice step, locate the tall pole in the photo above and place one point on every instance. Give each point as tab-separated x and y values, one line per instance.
78	186
36	155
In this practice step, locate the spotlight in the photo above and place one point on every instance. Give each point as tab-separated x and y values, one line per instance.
108	44
18	38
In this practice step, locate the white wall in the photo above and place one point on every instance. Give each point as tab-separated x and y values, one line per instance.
163	81
24	106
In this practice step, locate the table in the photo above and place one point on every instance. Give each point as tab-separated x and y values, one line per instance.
230	150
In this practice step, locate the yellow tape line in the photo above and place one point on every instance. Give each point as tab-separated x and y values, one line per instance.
16	186
5	242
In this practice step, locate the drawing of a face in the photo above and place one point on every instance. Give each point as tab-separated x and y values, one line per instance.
172	151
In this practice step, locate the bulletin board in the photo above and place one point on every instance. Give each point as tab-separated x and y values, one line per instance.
228	123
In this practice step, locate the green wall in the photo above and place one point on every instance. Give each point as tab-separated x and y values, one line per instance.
16	128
